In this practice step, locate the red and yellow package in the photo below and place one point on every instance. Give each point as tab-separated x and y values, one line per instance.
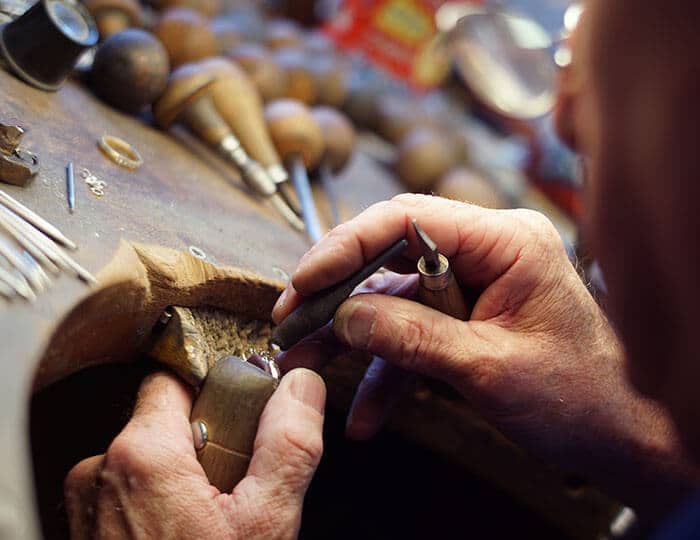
398	35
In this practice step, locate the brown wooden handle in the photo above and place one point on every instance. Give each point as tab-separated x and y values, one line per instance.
449	300
239	103
229	406
204	120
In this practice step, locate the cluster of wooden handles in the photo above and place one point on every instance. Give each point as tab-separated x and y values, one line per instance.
269	133
283	62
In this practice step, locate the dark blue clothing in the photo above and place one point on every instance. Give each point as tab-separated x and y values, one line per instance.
683	524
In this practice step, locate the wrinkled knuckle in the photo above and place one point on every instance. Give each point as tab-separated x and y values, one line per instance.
127	457
409	199
339	231
542	228
381	207
303	448
541	237
532	218
348	240
414	343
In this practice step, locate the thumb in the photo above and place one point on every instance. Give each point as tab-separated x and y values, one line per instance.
412	336
289	443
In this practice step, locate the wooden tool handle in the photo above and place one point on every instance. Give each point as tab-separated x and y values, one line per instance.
239	103
202	118
449	300
229	406
294	130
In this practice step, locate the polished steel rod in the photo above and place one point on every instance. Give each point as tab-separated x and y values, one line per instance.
70	187
300	178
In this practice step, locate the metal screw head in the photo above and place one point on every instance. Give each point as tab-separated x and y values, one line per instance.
165	317
197	252
200	434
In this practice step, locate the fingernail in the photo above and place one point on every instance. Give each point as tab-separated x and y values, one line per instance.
354	323
308	388
280	303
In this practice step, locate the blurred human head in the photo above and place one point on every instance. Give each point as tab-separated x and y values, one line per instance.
630	104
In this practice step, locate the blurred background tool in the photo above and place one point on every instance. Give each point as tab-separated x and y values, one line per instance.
339	143
320	308
228	33
44	44
208	8
188	99
282	33
267	76
437	287
330	73
112	16
239	104
301	81
130	70
424	155
186	35
299	141
467	185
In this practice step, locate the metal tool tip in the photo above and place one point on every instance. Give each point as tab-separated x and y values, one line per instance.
429	247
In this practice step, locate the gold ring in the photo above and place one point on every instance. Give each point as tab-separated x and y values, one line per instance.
120	151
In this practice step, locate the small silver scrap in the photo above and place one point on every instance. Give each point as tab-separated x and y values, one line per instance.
70	187
96	186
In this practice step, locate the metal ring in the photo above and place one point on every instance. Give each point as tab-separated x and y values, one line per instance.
120	152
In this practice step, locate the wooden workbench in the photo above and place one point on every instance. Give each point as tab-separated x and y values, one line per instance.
137	240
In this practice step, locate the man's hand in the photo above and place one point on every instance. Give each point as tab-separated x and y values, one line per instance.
150	485
538	357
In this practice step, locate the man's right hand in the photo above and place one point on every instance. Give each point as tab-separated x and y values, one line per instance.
538	357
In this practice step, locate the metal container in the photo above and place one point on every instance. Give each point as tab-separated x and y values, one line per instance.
43	46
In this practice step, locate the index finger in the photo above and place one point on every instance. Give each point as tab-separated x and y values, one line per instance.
476	240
